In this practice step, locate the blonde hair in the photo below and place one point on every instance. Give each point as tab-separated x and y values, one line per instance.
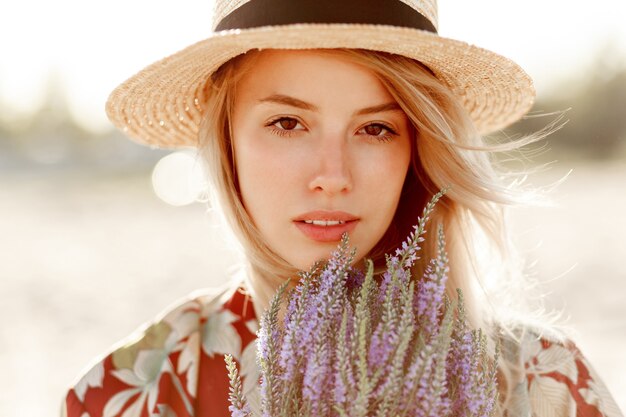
447	152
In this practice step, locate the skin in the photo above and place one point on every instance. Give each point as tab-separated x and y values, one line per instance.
317	152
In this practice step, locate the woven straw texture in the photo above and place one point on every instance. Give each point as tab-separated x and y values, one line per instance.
161	106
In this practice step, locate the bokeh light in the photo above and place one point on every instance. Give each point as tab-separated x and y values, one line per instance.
179	178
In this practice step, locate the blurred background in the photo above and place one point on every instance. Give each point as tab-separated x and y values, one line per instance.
98	234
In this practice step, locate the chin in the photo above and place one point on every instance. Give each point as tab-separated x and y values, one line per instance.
306	263
320	254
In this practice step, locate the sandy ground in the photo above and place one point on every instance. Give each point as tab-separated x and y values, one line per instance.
85	260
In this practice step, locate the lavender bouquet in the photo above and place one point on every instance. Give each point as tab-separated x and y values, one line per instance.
353	345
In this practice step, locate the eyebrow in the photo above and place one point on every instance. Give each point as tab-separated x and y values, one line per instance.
294	102
393	106
288	101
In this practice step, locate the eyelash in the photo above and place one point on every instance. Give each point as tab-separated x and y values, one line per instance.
285	132
278	131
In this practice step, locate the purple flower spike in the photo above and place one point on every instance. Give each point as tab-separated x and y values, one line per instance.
353	344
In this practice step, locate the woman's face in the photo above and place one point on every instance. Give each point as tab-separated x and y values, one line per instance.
321	148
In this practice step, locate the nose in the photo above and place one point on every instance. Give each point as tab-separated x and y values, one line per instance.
332	174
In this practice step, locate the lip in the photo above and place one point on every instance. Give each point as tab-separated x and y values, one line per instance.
331	233
326	215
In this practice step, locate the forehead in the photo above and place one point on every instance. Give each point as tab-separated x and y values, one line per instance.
316	75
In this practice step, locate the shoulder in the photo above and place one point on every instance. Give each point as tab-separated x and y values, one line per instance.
162	358
554	377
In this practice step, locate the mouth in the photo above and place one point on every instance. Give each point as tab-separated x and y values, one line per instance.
326	226
324	222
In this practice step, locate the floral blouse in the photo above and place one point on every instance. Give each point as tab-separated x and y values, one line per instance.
175	368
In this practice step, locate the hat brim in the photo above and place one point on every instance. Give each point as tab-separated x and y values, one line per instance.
161	105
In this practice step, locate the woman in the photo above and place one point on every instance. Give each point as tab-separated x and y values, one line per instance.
318	118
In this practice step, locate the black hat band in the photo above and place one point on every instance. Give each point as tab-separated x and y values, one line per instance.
257	13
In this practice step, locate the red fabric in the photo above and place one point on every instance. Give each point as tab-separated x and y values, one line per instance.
212	379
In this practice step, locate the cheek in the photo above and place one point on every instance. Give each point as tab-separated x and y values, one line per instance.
383	178
391	177
264	173
389	171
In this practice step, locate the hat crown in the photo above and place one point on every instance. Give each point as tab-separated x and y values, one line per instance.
427	8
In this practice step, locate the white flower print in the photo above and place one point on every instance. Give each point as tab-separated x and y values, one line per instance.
93	378
184	321
550	398
252	326
556	358
186	326
188	361
144	378
165	411
150	364
598	394
219	336
115	404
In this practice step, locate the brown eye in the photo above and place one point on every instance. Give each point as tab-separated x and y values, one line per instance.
374	130
287	123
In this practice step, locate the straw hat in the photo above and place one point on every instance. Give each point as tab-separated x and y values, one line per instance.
162	105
